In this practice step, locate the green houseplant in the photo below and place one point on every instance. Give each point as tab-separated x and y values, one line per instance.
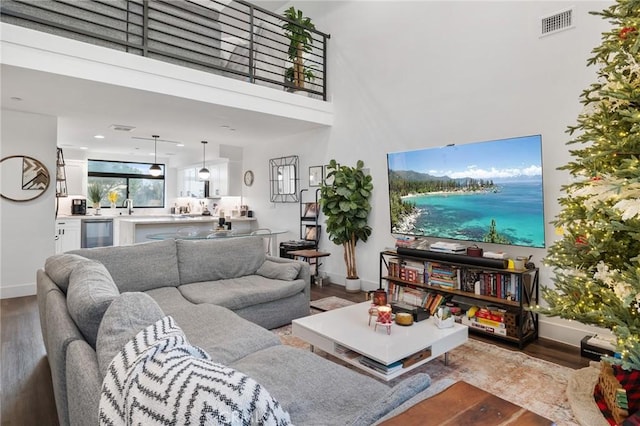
296	29
345	203
96	194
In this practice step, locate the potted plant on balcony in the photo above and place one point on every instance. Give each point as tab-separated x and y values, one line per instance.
345	203
296	29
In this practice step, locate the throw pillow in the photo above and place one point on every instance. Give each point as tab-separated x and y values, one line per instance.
59	268
159	378
91	291
127	315
279	271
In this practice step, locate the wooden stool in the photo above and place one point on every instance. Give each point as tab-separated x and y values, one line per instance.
311	257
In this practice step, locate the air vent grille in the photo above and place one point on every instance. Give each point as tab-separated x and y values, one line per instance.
121	128
559	21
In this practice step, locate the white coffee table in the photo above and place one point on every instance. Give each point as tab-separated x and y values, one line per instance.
346	334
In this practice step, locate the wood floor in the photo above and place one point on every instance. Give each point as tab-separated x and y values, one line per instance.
25	380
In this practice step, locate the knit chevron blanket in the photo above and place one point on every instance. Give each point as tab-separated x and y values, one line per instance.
158	378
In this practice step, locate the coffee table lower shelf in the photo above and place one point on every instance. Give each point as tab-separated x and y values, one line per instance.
345	334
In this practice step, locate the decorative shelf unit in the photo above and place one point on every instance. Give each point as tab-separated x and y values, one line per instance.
309	217
464	280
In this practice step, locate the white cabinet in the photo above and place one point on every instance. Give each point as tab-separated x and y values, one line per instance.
189	184
67	235
219	180
76	172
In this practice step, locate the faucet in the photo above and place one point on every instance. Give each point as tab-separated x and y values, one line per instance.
128	203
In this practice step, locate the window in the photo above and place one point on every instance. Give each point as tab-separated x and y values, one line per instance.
127	180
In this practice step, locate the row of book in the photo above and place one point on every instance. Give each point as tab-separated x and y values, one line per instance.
410	271
433	273
429	300
379	367
496	284
507	286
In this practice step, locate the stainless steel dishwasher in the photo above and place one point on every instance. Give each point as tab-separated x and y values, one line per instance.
96	232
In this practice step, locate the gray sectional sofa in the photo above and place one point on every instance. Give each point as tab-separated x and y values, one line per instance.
223	295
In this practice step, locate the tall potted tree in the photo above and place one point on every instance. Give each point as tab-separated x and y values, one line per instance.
345	203
296	29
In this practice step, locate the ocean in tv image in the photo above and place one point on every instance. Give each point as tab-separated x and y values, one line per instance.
483	192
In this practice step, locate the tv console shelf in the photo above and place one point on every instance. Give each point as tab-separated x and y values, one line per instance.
406	274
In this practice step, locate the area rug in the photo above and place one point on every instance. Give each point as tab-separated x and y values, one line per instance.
580	394
532	383
329	303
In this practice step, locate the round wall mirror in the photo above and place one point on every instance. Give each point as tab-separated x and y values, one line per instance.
23	178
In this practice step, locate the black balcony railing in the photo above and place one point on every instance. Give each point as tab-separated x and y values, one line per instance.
235	39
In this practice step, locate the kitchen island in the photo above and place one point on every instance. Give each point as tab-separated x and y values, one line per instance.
136	229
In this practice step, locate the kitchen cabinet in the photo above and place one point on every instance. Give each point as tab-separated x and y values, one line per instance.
189	184
220	181
67	235
76	172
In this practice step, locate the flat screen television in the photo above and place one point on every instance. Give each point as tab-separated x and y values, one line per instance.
480	192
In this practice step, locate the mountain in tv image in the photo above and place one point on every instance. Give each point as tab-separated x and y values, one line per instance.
482	192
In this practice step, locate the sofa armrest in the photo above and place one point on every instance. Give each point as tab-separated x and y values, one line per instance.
433	389
397	397
83	384
304	274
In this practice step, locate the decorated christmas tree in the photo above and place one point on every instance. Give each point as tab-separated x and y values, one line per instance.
596	263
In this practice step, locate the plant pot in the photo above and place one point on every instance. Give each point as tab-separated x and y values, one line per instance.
352	285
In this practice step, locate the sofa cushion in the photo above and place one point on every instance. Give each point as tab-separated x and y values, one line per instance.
236	293
314	390
170	299
91	291
59	268
139	267
127	316
279	271
226	337
160	378
209	260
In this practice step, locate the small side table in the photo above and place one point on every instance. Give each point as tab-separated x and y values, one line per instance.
312	257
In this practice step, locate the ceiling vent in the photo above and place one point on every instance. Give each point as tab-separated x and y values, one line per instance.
556	22
121	128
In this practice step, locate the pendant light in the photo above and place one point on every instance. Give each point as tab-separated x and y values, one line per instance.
204	172
155	169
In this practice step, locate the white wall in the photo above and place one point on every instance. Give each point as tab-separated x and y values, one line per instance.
409	75
26	228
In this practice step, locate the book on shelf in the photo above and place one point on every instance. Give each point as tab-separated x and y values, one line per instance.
432	301
345	352
500	285
442	275
412	296
379	367
473	323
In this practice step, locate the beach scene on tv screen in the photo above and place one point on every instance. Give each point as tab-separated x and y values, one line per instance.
482	192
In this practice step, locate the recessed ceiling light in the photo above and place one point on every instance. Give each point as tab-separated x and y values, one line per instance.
84	147
225	126
179	144
99	136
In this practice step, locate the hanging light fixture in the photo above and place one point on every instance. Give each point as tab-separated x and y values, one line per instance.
155	169
204	172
